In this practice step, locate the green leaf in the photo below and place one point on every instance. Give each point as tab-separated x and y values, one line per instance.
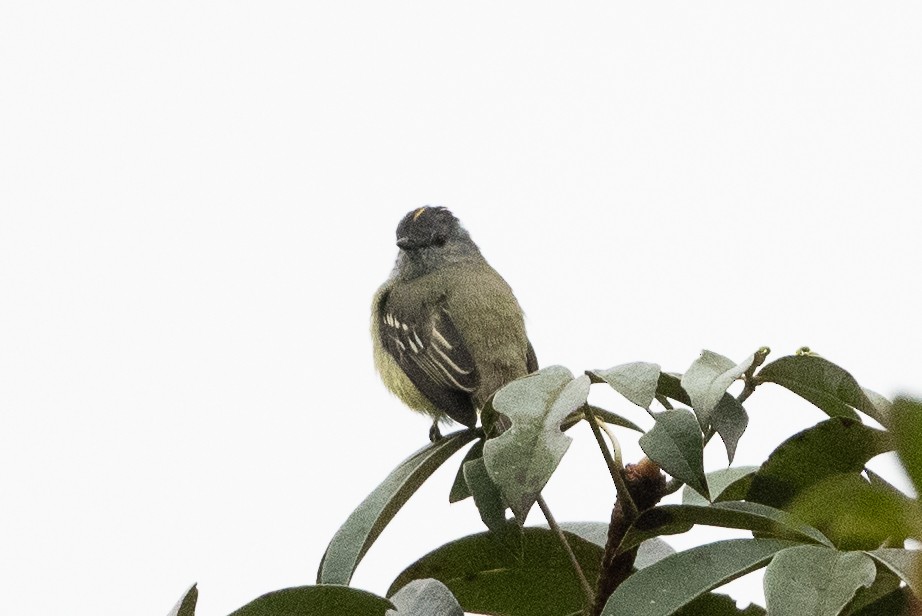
486	495
607	416
895	603
815	580
615	419
907	432
364	525
675	519
636	381
675	444
488	579
882	408
856	514
713	604
490	505
876	595
707	380
186	605
593	532
837	445
718	481
333	600
652	551
670	386
905	563
523	458
459	490
649	552
819	381
729	420
425	598
675	581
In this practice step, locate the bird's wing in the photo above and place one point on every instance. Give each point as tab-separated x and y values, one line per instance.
431	352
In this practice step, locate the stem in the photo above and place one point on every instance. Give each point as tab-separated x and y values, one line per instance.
664	401
583	582
615	466
749	380
748	388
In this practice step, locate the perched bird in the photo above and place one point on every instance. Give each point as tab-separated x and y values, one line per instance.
446	328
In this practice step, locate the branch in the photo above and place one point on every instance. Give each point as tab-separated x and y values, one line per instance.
646	485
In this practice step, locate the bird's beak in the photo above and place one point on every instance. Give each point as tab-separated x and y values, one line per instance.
404	243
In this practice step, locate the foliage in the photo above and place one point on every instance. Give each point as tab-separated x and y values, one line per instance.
830	533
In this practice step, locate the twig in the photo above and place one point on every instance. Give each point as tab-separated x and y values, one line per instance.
749	380
615	465
583	582
664	401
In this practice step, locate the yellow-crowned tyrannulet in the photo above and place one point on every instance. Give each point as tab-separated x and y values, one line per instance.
446	328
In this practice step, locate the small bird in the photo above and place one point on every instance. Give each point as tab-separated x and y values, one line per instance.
447	330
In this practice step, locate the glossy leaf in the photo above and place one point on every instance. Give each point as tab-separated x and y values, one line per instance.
675	444
907	564
425	598
676	581
815	580
816	379
718	481
364	525
837	445
459	490
636	381
332	600
489	580
707	380
522	459
675	519
856	514
186	605
907	432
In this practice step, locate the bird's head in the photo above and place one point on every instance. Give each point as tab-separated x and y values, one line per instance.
426	227
431	236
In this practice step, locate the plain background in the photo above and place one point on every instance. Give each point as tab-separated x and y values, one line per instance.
199	199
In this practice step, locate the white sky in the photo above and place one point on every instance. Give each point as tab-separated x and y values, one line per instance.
198	200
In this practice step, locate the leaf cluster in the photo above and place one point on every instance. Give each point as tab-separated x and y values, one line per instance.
830	533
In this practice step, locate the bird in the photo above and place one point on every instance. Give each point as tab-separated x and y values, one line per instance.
447	331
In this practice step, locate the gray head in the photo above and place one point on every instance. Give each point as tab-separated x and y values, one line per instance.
429	237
